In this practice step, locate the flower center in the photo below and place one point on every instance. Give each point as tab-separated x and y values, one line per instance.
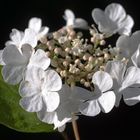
76	59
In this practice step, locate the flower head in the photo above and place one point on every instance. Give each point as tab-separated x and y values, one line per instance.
63	74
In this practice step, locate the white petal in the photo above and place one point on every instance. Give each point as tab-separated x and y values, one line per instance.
132	77
103	80
16	36
11	55
116	69
69	17
115	12
81	93
67	107
69	102
52	118
80	23
90	108
40	59
51	100
28	88
105	25
42	33
61	124
65	92
32	103
12	74
118	97
47	117
107	101
53	81
27	52
136	57
1	60
35	76
126	25
128	45
30	38
62	128
35	24
131	96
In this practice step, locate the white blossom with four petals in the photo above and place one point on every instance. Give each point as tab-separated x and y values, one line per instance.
16	62
113	20
39	90
127	45
103	99
124	81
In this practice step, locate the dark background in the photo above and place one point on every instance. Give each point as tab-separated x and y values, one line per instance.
122	122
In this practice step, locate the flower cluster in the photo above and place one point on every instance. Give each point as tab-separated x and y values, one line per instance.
62	74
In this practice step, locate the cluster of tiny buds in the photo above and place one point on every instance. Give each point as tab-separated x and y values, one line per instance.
76	59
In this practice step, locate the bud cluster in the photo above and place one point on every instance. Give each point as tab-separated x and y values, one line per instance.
76	59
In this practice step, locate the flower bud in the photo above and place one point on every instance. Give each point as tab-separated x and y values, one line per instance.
57	50
87	84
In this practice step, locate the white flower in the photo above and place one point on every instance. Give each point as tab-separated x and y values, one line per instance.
35	24
104	99
124	81
1	61
136	57
19	38
70	100
131	86
74	22
128	45
113	20
117	70
39	89
16	61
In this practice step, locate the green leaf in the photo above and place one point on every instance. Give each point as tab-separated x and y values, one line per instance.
13	116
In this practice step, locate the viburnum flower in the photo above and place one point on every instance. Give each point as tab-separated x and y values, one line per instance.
39	89
104	99
16	62
71	98
63	75
35	24
113	20
74	22
124	80
19	38
127	45
133	76
136	57
117	70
